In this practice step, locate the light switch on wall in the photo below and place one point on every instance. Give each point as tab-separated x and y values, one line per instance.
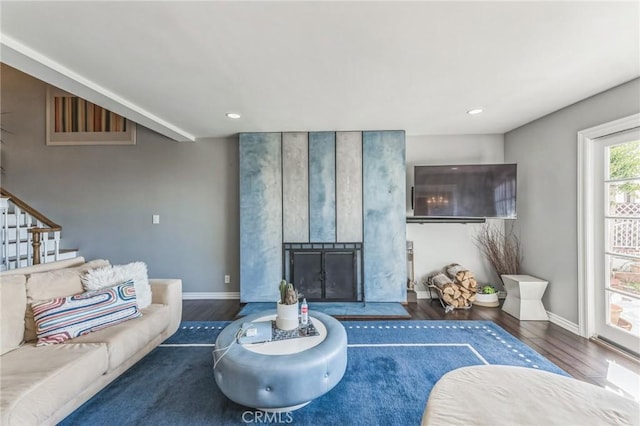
155	219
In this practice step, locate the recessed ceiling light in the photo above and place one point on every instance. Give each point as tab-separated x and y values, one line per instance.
233	115
474	111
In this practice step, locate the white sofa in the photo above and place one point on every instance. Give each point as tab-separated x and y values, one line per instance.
43	384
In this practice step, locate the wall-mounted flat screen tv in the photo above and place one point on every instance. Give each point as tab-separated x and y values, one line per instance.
465	191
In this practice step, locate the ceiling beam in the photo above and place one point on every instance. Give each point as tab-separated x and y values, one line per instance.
25	59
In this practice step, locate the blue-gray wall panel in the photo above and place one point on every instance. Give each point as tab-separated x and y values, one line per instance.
349	186
295	187
260	216
322	187
385	270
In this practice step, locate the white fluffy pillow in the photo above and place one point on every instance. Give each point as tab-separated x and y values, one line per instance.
97	279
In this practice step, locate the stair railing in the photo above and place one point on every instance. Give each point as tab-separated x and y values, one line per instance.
40	232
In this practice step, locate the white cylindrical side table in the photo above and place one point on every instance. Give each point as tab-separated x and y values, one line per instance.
524	294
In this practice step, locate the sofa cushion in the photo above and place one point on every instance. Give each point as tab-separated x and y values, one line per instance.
36	381
44	267
109	276
57	283
13	303
124	340
64	318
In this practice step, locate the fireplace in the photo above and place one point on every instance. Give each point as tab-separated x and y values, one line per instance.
345	190
325	271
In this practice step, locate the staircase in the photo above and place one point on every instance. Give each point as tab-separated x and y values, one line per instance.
28	237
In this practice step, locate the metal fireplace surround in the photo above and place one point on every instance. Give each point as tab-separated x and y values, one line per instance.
325	271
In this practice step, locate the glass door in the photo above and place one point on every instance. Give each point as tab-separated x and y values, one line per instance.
618	239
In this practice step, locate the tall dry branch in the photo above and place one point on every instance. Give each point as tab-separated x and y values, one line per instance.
501	248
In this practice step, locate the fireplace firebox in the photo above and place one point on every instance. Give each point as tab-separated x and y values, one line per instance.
325	271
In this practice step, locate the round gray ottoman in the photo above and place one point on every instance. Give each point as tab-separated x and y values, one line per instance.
280	382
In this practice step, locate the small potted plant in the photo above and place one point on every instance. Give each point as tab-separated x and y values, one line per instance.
487	296
287	308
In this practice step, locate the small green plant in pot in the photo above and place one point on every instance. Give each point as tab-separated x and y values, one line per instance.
287	308
487	296
487	289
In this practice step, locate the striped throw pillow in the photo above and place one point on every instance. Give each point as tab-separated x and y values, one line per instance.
64	318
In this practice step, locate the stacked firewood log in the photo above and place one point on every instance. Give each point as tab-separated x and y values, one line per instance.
456	286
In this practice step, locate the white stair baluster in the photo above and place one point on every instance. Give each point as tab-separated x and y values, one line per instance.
44	247
29	250
56	245
4	204
18	214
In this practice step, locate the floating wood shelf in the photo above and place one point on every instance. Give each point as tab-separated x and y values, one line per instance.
429	219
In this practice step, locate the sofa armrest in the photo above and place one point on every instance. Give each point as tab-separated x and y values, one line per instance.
168	291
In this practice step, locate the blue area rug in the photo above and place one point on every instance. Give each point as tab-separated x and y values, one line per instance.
392	366
339	309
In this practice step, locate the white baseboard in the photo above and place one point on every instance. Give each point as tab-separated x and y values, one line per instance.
564	323
211	295
553	318
423	294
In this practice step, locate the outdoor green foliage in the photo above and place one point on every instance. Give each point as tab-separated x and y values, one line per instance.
624	162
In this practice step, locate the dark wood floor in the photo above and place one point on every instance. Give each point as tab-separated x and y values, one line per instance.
580	357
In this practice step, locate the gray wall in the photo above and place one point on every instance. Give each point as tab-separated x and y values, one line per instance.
438	244
546	153
104	196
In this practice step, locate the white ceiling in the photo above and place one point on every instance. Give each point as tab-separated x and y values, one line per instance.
178	67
